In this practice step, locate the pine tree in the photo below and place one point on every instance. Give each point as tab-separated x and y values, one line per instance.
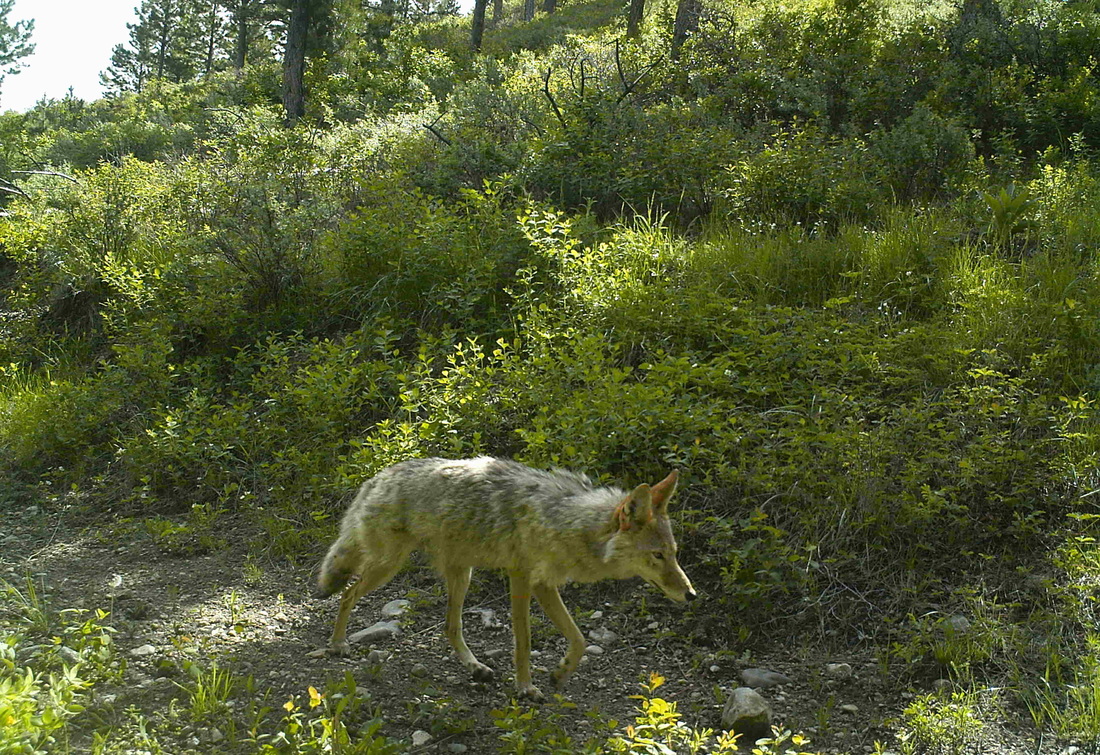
15	41
634	18
166	42
248	20
308	32
478	29
686	23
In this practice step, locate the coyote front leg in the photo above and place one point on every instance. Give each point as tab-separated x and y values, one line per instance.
458	582
369	580
521	629
550	600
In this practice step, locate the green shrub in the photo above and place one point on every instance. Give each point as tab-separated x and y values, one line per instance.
805	178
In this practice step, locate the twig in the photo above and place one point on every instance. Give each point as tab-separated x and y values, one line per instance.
45	173
549	96
431	127
239	117
13	189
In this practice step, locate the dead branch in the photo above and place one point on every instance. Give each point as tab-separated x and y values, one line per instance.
628	89
45	173
550	96
435	132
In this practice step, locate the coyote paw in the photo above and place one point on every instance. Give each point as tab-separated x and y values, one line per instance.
560	676
481	672
338	648
530	692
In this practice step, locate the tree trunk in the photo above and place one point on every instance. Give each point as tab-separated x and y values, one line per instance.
498	11
687	21
164	38
528	10
634	18
478	29
241	19
294	61
548	6
211	38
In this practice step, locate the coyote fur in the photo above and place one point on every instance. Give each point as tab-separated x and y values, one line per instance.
543	528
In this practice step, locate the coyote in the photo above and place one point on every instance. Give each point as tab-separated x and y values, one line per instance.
544	528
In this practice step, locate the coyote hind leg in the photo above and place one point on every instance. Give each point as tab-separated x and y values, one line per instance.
458	582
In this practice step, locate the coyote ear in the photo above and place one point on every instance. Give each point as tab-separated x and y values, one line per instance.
635	509
663	491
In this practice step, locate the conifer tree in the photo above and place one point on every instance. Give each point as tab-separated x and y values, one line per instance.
15	41
165	43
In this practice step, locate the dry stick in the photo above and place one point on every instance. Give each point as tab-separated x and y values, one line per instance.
44	173
549	96
431	127
628	88
13	189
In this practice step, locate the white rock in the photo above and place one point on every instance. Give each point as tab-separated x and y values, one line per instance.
957	624
762	678
594	650
143	650
395	608
603	635
382	630
421	738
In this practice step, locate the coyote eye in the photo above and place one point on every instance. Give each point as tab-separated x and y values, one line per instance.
659	556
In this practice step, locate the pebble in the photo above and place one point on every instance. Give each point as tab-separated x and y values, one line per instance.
456	747
838	670
421	738
395	608
958	624
762	678
419	670
488	617
377	657
143	650
849	708
594	650
603	635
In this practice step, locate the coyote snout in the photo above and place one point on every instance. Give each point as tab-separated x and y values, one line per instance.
543	528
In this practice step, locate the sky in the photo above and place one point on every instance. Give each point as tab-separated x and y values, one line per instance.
73	42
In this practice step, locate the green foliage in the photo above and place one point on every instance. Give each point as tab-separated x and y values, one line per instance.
49	663
836	264
949	724
805	178
323	724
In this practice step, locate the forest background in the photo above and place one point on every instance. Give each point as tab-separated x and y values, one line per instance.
836	261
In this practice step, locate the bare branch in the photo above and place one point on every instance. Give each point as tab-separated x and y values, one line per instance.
550	96
45	173
8	188
628	89
435	132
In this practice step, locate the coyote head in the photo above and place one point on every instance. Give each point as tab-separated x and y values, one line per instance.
642	544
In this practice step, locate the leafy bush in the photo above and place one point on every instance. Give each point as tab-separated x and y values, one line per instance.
805	178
